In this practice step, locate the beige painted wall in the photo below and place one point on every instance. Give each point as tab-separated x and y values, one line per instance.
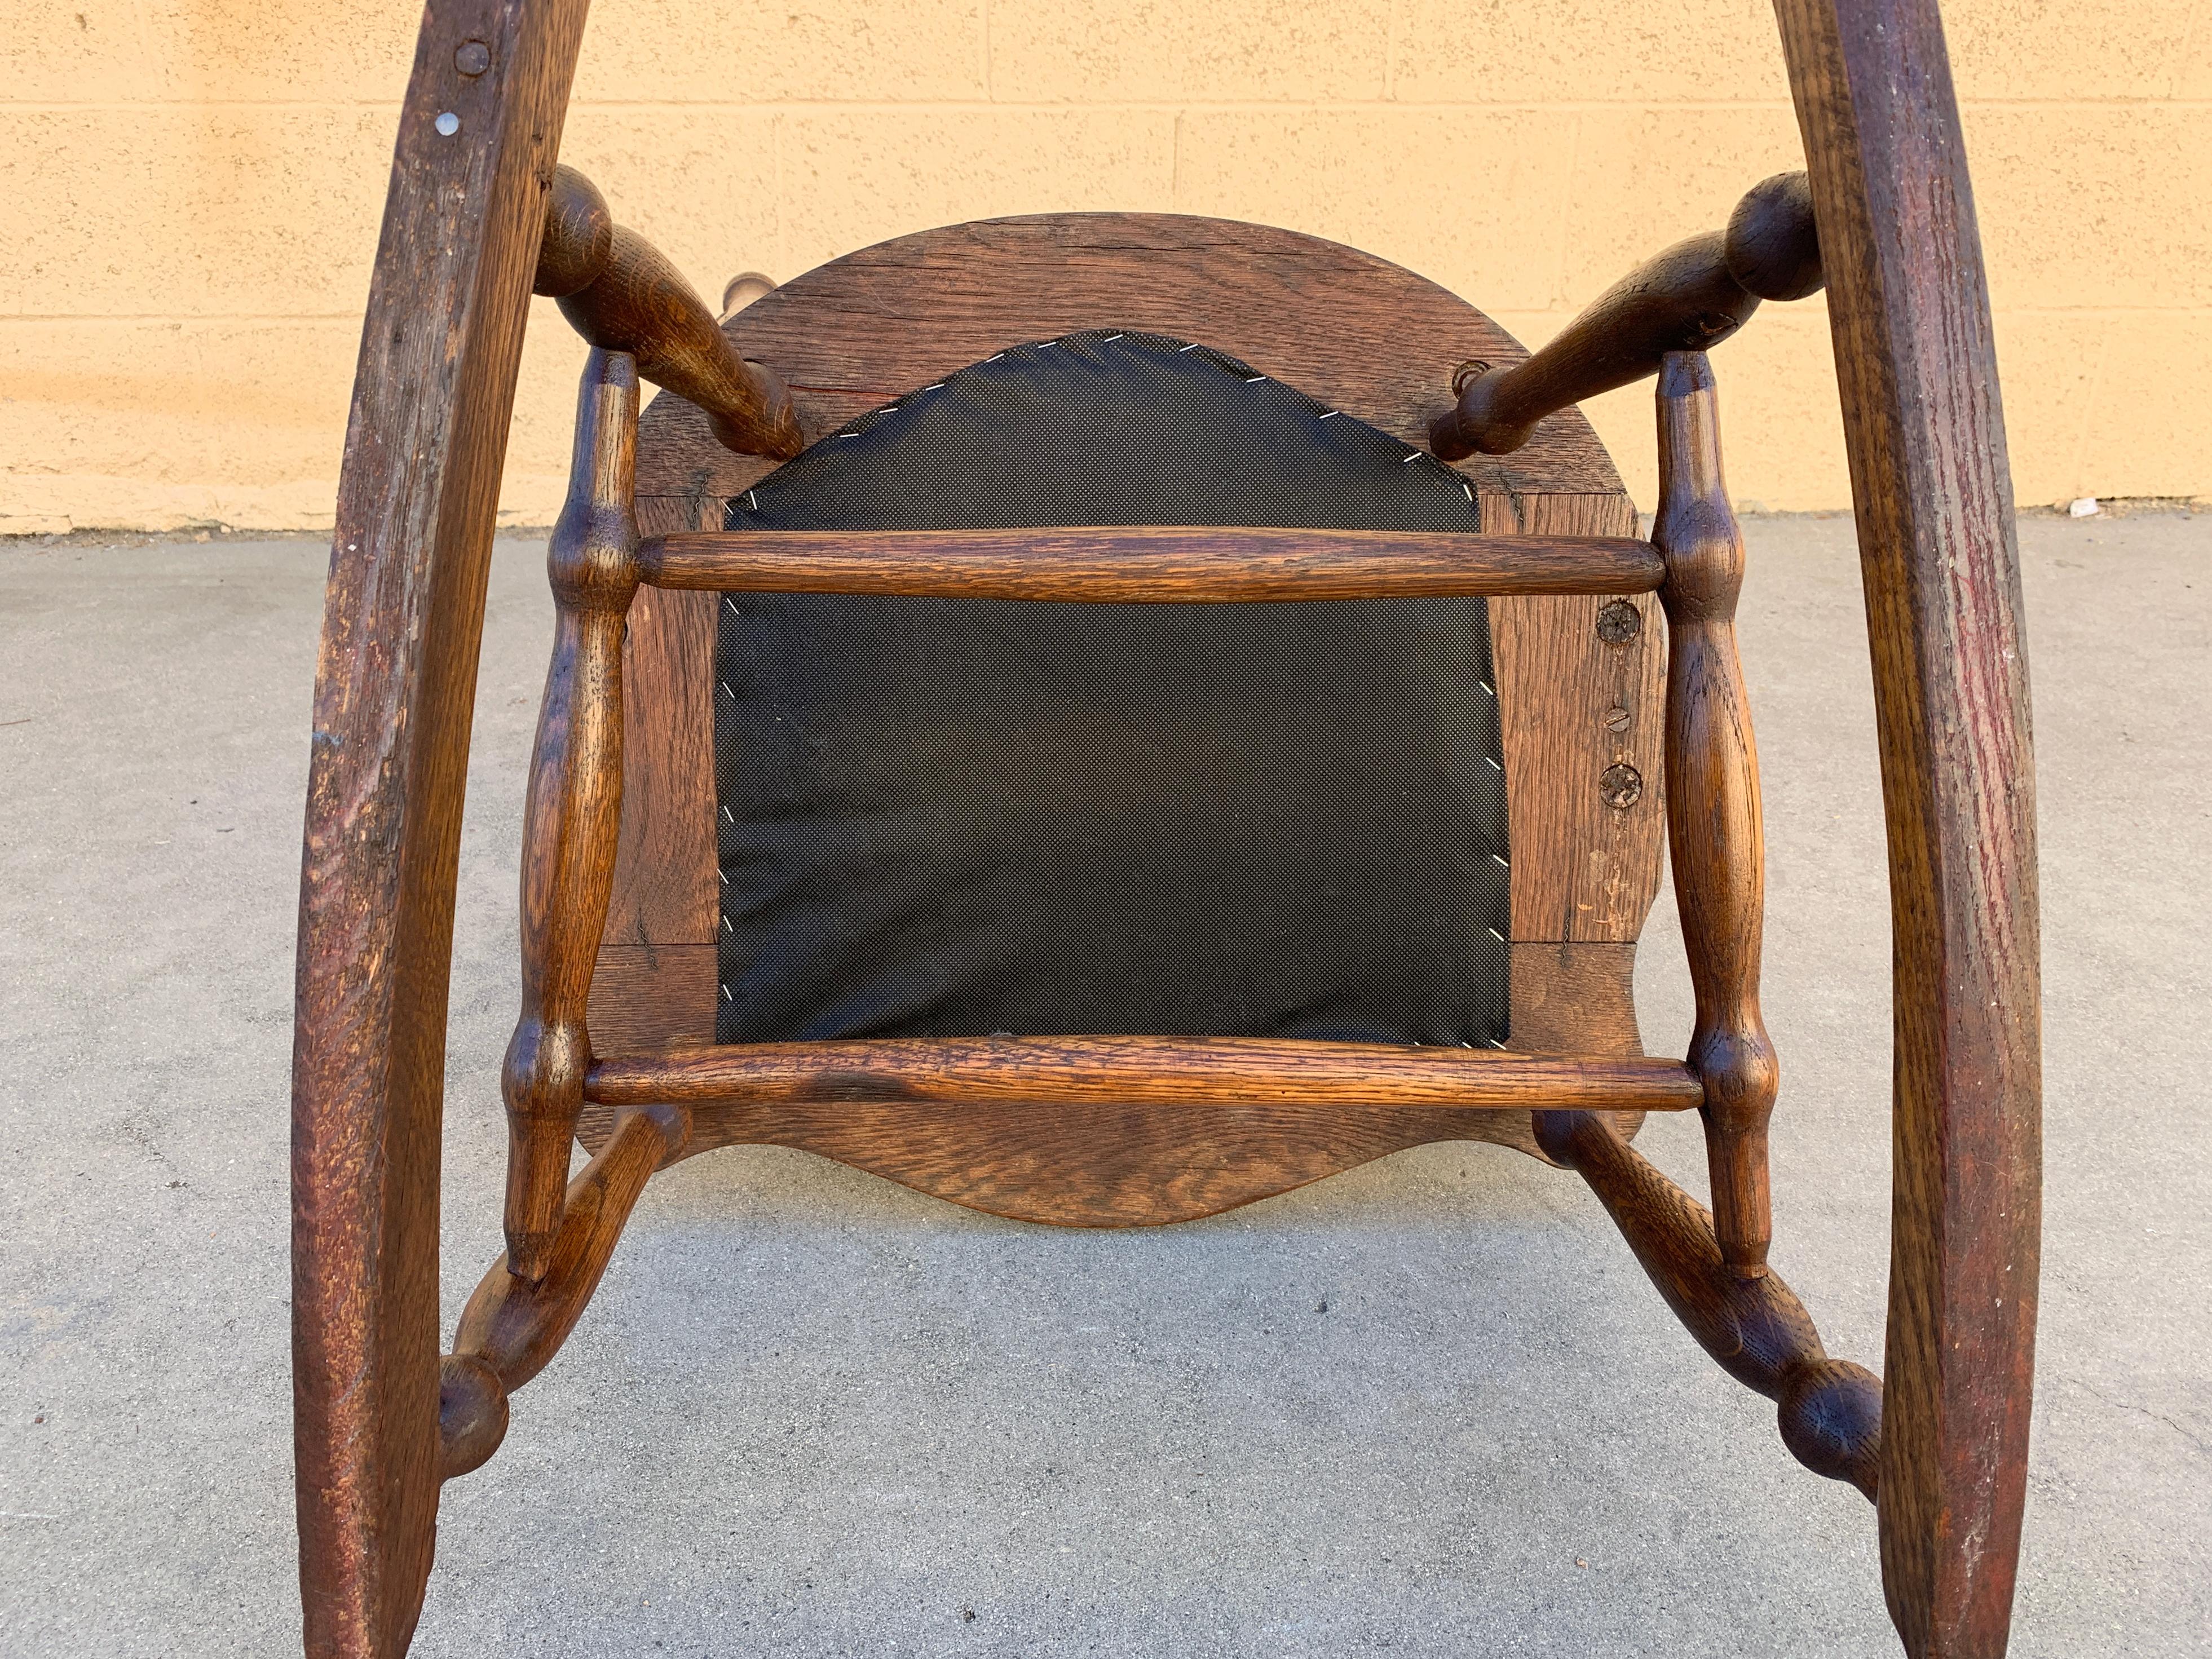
190	192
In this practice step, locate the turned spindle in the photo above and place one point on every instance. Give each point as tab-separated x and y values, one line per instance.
1715	839
621	294
1689	298
574	806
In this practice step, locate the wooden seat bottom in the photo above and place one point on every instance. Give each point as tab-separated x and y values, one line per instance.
1095	1165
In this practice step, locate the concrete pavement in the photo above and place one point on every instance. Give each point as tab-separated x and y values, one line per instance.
1431	1405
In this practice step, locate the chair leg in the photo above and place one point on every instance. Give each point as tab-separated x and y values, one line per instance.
1918	371
513	1326
1754	1326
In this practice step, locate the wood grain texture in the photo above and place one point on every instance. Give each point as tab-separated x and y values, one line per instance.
1909	306
1098	1164
574	810
665	872
1149	1165
1714	831
394	688
1581	694
621	294
1690	297
1148	563
1830	1410
1196	1074
1571	998
1356	331
515	1324
648	999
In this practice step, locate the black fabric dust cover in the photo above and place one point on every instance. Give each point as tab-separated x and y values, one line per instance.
955	817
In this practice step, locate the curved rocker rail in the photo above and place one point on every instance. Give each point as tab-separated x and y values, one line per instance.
1916	366
417	500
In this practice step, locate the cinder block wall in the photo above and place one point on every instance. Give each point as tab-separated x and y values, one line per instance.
190	192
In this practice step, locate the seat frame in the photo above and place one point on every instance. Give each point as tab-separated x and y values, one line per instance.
1580	674
381	1420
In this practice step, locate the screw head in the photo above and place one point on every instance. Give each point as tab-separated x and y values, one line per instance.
472	58
1621	786
1617	718
1618	622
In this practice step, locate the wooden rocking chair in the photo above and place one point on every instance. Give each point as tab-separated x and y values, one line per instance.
733	665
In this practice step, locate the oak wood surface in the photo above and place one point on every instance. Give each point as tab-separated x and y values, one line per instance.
1192	1073
1830	1410
1101	1164
394	689
1909	308
573	810
621	294
515	1324
1120	1165
648	999
880	322
666	882
1688	298
1579	705
1715	834
1580	696
1148	563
